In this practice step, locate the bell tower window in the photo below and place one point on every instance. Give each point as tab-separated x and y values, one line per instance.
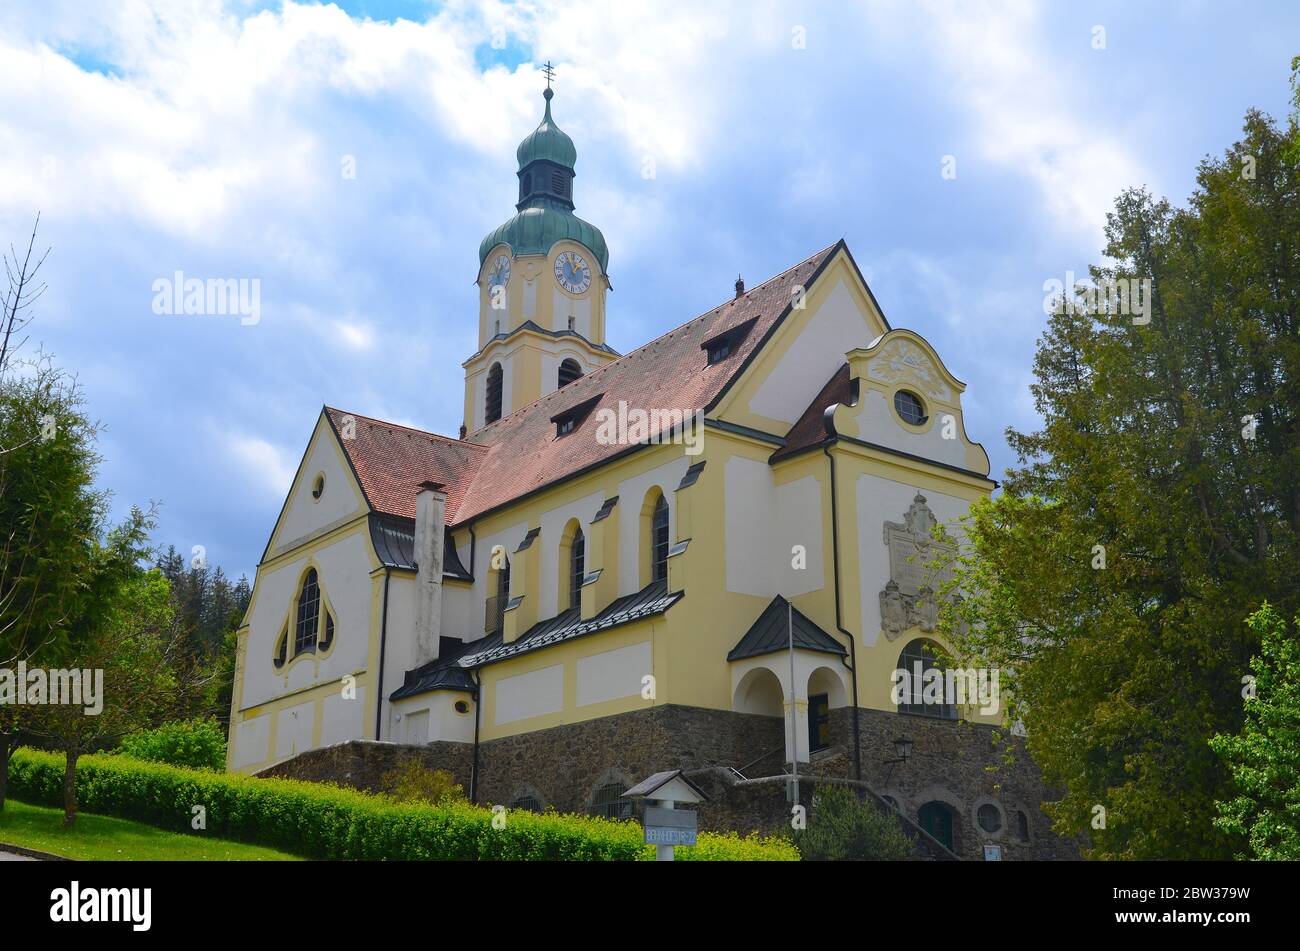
569	371
494	378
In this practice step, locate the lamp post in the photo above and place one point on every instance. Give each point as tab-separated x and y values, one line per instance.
902	753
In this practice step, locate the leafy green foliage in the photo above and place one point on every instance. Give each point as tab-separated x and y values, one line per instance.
1175	446
51	514
197	744
209	608
1265	756
333	823
411	782
842	827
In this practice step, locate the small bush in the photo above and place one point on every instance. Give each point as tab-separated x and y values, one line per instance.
842	827
330	822
412	782
197	744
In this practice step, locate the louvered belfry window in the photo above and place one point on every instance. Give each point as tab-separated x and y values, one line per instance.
493	394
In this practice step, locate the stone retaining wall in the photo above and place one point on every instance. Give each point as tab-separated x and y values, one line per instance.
564	766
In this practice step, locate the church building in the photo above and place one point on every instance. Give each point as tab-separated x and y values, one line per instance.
711	553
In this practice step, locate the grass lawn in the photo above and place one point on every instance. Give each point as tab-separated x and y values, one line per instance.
100	837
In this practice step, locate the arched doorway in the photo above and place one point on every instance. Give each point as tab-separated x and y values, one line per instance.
937	818
760	692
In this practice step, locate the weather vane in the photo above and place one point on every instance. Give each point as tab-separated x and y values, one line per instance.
549	70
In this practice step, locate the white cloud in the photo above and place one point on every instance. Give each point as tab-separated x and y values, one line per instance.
1026	111
265	467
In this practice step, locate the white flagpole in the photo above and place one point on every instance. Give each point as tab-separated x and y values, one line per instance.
794	721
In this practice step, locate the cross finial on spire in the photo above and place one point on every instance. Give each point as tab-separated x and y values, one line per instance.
549	70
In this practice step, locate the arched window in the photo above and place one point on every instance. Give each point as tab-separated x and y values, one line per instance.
496	608
308	615
311	622
610	804
570	370
918	657
659	541
493	394
577	567
1022	826
936	819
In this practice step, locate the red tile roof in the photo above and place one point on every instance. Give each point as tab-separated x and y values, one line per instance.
521	452
810	428
391	461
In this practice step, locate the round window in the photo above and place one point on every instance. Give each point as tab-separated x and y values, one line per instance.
318	486
989	817
462	707
909	406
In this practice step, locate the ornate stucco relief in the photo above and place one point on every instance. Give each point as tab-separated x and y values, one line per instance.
901	360
909	598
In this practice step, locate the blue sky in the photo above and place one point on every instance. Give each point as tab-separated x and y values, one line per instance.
209	138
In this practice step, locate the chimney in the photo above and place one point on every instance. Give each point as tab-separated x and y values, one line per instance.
430	516
740	287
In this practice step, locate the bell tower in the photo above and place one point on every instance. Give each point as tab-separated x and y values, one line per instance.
542	283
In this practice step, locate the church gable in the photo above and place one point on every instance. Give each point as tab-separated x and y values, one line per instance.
907	401
823	318
323	495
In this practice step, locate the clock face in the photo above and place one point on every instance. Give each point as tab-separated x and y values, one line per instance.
573	273
499	273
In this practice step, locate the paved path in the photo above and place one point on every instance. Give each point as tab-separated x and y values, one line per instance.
10	857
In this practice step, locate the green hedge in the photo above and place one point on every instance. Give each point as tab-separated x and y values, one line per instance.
330	822
196	744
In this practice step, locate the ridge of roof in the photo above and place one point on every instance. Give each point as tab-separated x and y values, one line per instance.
391	425
663	336
522	453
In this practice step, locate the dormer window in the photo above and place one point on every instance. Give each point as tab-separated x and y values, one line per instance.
569	420
722	345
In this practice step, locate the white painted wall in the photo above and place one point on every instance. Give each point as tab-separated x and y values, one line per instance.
878	501
294	728
878	423
340	501
344	571
529	695
763	523
837	327
397	652
343	719
252	741
611	675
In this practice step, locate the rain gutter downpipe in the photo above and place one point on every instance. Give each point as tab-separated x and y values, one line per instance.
383	643
473	769
829	422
